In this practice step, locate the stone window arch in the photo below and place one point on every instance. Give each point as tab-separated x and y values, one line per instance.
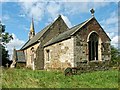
93	46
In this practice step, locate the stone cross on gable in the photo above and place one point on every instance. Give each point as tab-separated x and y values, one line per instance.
92	12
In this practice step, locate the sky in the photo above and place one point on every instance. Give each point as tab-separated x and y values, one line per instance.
17	15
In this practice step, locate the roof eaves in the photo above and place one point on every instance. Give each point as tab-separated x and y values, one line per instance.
82	25
103	30
72	31
48	26
24	45
48	44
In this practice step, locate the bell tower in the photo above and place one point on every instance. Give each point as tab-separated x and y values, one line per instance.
32	31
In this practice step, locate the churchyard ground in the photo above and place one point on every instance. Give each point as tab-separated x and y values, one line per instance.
26	78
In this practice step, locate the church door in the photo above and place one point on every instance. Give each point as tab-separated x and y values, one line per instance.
93	46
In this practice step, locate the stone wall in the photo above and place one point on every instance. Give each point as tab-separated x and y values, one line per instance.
60	55
28	55
81	43
80	49
57	27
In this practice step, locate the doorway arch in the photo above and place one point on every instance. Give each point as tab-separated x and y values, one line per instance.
93	41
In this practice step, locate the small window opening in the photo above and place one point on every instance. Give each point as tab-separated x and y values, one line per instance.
48	54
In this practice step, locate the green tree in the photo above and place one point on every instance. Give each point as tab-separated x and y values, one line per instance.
115	56
5	37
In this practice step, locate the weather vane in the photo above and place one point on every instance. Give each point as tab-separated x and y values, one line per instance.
92	12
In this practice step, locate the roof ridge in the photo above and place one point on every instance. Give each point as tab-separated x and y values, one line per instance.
29	42
77	25
67	34
83	24
25	44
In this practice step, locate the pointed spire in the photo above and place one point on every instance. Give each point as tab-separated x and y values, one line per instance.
32	31
32	26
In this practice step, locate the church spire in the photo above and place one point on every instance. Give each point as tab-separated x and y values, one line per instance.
32	31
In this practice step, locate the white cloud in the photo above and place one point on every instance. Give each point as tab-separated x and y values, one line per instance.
82	7
35	9
91	0
26	28
5	17
60	0
111	35
21	15
75	7
18	0
115	41
110	25
0	19
65	18
112	19
67	21
38	8
53	9
17	43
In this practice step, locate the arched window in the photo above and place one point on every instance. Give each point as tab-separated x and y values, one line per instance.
93	46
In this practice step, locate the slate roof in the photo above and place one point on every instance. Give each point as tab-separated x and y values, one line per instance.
38	35
66	34
60	37
35	38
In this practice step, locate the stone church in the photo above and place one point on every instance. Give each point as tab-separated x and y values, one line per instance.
57	46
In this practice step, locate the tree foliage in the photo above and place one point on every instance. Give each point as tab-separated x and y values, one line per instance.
5	37
115	56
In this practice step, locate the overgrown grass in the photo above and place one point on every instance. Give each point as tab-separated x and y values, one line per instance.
22	78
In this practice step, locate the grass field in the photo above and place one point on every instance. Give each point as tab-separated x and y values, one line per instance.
24	78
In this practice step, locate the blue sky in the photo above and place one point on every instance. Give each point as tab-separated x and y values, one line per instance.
17	17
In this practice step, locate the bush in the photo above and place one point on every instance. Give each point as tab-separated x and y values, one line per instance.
115	57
